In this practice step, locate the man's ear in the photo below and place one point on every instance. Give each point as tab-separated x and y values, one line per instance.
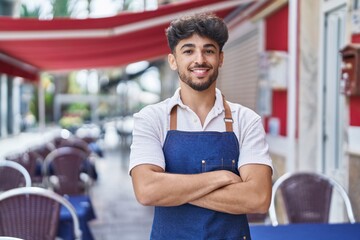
221	60
172	61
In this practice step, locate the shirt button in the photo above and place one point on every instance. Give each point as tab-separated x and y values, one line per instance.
195	120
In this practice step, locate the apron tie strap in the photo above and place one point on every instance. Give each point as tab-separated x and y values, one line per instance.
227	119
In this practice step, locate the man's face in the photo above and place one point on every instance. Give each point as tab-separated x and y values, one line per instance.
197	60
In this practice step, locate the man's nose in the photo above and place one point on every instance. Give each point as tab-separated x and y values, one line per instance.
200	58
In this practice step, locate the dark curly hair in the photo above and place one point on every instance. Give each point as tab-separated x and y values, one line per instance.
204	24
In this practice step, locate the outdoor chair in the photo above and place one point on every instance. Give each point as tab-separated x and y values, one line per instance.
13	175
43	150
93	145
257	218
83	146
32	213
65	170
32	162
307	198
72	142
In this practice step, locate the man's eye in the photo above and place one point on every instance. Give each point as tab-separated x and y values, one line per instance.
210	51
188	51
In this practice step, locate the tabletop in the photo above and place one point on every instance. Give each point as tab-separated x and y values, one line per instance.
85	213
303	231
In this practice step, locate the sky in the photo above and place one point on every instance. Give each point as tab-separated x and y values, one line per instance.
100	8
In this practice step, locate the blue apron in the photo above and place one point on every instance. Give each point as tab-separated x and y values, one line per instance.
192	153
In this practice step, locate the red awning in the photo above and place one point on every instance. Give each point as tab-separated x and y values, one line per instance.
29	46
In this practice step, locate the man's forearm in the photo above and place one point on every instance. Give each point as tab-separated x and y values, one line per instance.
156	188
253	195
234	199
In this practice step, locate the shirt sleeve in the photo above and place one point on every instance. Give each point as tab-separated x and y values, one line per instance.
254	148
146	147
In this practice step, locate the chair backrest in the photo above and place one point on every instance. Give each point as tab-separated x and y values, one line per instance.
13	175
66	164
307	198
73	142
33	213
43	150
31	161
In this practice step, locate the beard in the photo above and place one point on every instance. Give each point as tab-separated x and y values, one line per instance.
201	86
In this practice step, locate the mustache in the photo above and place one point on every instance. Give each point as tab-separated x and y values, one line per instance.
204	65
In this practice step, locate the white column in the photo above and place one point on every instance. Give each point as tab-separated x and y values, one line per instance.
292	94
16	105
41	105
4	103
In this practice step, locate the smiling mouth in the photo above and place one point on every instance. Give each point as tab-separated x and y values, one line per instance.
200	72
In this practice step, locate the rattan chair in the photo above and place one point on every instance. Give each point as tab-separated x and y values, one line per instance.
63	170
33	213
13	175
82	145
43	150
9	238
307	198
72	142
32	162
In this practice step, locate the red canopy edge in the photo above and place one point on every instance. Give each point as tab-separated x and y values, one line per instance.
70	44
14	67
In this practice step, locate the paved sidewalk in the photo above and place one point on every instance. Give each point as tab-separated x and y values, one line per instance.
119	215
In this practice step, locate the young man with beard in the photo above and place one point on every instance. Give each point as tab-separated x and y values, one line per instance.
201	161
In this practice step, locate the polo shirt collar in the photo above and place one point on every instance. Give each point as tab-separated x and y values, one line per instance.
176	100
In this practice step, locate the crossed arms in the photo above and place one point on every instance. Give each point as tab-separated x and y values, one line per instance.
220	190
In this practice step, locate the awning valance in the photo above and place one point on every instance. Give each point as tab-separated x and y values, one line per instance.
29	46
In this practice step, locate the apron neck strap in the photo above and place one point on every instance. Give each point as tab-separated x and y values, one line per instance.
227	119
173	118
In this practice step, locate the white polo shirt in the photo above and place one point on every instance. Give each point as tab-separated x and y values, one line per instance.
152	123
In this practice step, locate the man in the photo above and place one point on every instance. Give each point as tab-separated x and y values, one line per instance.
201	161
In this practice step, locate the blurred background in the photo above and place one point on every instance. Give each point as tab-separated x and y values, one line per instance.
82	68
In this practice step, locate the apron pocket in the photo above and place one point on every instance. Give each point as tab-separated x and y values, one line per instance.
208	165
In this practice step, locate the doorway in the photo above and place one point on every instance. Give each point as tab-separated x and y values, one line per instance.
332	127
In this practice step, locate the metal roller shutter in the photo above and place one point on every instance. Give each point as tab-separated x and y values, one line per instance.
238	78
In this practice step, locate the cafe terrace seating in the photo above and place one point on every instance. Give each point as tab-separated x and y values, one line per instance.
82	145
13	175
307	198
32	162
63	170
47	174
33	213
